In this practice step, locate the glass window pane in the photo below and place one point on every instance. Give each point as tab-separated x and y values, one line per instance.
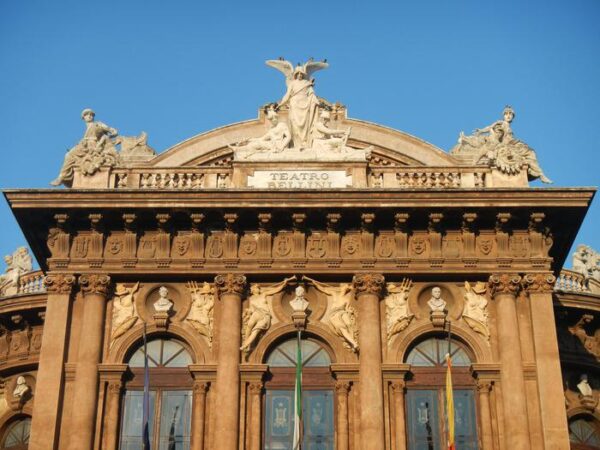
17	433
432	352
170	348
313	355
279	427
173	353
318	420
132	419
583	430
422	414
175	418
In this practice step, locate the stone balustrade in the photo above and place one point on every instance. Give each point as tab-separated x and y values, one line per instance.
429	177
32	283
570	281
185	178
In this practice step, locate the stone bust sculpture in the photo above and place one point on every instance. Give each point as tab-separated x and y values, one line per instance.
163	304
584	387
299	303
436	302
22	389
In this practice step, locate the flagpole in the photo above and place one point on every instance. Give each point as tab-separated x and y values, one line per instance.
449	392
146	398
297	444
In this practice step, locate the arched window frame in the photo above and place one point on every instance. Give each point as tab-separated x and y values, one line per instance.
167	385
8	426
575	433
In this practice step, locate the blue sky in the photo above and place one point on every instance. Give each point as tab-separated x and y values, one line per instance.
175	69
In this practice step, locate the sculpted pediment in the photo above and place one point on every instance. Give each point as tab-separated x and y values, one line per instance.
389	147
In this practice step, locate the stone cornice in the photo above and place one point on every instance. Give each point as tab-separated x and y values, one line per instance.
59	283
98	284
368	283
230	284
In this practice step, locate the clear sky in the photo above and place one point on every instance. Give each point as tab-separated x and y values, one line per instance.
176	69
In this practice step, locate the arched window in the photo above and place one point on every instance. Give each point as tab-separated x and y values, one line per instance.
584	433
16	436
425	396
170	397
317	396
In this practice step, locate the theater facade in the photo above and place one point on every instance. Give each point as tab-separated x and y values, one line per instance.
382	250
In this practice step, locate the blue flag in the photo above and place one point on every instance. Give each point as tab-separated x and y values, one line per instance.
146	401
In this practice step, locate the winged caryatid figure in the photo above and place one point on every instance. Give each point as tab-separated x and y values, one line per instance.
300	97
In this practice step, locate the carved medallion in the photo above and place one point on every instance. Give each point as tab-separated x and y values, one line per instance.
350	244
114	245
282	245
215	246
418	245
385	247
485	245
181	244
316	246
248	245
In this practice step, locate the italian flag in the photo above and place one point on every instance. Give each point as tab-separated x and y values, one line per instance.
298	398
449	403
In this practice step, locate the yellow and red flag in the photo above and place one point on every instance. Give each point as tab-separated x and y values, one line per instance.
449	403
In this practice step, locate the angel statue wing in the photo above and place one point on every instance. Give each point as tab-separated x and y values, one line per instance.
311	67
285	67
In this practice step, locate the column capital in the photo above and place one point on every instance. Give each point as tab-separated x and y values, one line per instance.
342	387
200	387
94	284
255	387
398	386
114	387
59	283
368	283
484	386
538	283
505	283
230	284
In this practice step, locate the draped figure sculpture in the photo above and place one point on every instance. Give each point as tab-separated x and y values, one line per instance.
300	97
497	143
257	317
96	149
201	310
17	264
275	140
124	313
342	317
397	311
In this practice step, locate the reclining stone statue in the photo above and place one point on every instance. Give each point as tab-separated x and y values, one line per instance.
497	144
275	140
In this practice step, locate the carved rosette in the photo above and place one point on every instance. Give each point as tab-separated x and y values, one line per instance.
539	283
505	284
59	283
230	284
94	284
368	283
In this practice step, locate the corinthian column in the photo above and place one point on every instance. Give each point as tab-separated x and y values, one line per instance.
504	289
85	391
198	416
368	289
46	408
539	287
231	289
341	389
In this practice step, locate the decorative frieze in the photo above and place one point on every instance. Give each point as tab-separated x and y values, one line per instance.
539	282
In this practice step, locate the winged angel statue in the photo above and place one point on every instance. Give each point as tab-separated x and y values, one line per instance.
300	97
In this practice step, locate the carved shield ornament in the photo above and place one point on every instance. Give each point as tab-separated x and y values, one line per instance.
215	246
385	247
80	249
283	245
316	246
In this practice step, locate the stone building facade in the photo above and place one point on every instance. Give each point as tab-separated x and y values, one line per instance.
371	242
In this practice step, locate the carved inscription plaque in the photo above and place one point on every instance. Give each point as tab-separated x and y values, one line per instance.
299	179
